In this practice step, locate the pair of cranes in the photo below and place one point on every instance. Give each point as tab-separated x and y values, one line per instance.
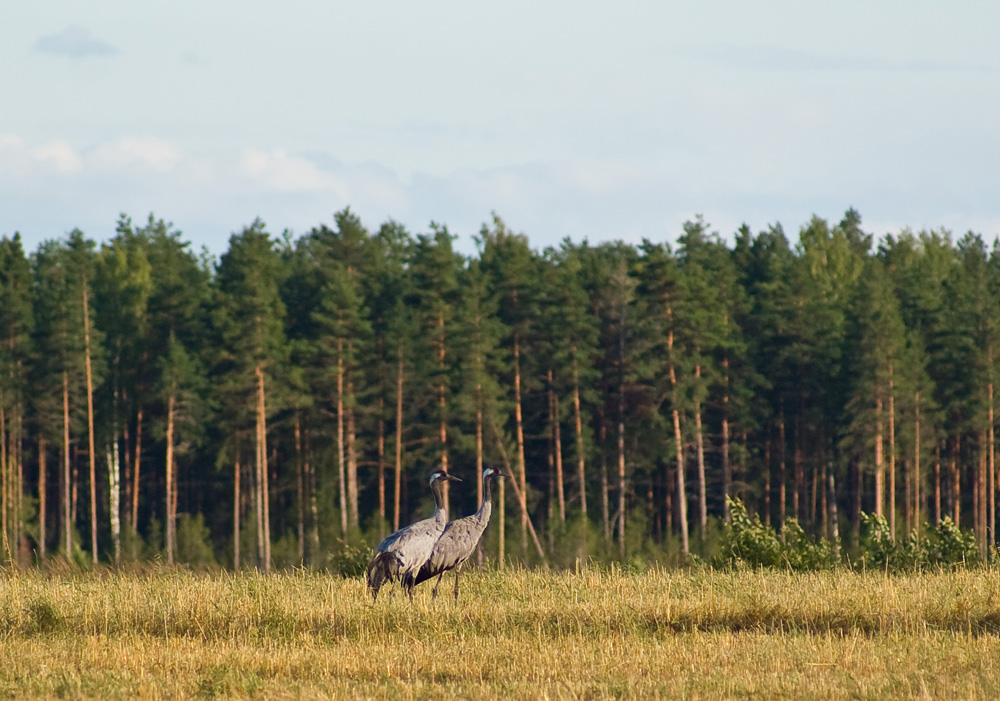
433	546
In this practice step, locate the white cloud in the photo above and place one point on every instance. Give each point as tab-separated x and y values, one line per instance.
278	171
74	41
60	155
128	151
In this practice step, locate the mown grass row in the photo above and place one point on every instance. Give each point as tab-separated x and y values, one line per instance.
523	634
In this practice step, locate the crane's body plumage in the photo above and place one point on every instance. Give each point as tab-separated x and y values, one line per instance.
401	555
459	539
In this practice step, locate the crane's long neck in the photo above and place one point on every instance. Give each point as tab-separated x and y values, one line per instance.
440	508
486	507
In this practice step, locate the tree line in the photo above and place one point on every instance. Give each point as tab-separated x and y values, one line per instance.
284	403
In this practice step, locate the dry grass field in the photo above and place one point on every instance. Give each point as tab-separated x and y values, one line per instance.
519	634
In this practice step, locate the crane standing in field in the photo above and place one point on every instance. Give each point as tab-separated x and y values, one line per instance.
459	539
402	554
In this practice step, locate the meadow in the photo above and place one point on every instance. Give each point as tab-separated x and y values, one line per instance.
592	634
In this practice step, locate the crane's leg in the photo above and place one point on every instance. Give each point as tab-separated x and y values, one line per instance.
456	582
434	593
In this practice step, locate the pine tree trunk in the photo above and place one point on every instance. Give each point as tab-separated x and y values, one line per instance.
300	495
519	426
352	460
937	484
443	408
310	471
892	454
479	460
67	484
578	421
621	471
90	425
879	464
380	466
956	485
700	447
236	506
783	480
832	501
5	485
727	472
679	448
171	516
42	496
605	501
557	439
991	487
916	463
341	463
767	476
135	473
264	472
398	477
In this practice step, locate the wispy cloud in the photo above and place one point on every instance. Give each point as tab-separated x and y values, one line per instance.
75	42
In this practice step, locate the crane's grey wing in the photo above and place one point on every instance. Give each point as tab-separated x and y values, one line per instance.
455	545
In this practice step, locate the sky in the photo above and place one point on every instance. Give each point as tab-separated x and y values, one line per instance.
587	120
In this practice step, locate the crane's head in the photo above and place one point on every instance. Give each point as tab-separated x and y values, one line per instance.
440	476
492	472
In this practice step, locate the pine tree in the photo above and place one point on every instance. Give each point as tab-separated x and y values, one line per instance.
251	316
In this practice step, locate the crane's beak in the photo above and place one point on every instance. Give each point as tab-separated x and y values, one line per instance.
452	478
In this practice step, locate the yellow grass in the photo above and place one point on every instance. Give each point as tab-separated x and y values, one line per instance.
521	634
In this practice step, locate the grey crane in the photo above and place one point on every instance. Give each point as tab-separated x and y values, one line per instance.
460	538
401	555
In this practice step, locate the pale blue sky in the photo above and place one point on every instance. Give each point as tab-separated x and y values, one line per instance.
580	119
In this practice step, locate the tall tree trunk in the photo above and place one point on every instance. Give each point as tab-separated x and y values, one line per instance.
90	425
67	483
236	506
310	472
621	471
605	500
479	460
782	486
398	477
916	462
700	447
171	515
892	454
135	473
727	472
519	427
956	484
6	490
991	487
264	472
300	491
557	439
578	421
879	463
114	504
352	459
937	484
681	490
443	407
380	465
767	475
341	462
114	470
42	496
832	501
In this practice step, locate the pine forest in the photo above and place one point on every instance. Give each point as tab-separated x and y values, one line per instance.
283	404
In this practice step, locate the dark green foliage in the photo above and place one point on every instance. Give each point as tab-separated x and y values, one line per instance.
748	542
817	378
944	546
